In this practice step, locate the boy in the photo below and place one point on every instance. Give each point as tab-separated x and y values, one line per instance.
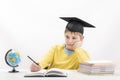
69	55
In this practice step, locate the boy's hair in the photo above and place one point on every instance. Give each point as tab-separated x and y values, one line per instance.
66	30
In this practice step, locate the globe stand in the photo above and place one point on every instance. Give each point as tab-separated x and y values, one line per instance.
13	70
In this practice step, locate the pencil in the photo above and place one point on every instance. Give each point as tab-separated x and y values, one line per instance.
32	60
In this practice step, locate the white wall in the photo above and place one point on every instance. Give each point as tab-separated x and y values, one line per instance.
31	27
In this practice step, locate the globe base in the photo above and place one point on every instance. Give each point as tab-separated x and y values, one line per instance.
13	70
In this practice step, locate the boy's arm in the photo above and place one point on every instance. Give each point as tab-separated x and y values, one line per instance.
47	59
82	55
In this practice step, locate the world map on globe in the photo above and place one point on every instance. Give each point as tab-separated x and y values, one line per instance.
13	58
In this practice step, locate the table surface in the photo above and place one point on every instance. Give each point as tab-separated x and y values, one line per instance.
72	75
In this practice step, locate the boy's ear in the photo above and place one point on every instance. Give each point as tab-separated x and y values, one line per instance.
81	38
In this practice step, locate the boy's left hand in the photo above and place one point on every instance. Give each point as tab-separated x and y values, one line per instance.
77	44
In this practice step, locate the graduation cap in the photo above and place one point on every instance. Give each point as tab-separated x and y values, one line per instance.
76	24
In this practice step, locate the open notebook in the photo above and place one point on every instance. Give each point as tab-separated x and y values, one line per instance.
53	72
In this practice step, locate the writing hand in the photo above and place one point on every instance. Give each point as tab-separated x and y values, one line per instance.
34	67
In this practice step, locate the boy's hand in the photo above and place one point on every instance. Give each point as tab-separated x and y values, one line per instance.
34	67
77	44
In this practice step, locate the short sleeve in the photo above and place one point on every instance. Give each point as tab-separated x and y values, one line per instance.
48	58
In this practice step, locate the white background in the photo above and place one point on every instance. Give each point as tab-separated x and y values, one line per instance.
31	27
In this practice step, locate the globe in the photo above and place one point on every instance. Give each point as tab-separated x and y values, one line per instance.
12	59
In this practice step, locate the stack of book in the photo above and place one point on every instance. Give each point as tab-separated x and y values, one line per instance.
97	67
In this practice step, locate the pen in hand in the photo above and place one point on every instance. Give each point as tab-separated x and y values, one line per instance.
32	60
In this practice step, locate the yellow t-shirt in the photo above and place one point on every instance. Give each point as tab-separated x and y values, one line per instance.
57	58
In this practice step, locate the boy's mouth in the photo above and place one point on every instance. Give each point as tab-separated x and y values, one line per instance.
70	47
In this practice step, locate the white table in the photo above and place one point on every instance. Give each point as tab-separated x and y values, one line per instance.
72	75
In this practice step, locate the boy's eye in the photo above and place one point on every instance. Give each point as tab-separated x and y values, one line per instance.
67	37
73	38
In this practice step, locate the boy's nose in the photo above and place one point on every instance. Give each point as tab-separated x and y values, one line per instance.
70	40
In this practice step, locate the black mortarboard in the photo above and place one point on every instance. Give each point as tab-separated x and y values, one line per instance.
76	24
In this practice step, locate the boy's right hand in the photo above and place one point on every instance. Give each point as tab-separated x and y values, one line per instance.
34	67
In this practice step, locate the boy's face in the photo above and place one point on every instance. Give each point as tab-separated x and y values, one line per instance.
72	38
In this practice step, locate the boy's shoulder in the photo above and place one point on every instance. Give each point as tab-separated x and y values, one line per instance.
81	49
58	46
